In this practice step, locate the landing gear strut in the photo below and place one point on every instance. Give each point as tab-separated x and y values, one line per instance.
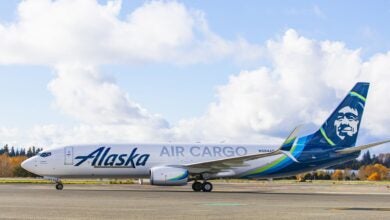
205	186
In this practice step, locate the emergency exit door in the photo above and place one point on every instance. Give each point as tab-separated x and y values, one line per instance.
68	156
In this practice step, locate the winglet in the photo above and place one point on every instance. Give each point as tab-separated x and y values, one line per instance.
288	143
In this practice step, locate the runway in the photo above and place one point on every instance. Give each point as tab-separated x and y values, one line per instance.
228	201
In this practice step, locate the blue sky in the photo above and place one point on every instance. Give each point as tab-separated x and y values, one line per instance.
178	91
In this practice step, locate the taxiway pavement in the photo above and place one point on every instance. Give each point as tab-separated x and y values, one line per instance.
227	201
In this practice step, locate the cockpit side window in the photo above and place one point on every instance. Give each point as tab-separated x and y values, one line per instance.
45	154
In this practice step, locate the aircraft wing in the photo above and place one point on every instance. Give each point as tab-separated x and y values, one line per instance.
215	166
362	147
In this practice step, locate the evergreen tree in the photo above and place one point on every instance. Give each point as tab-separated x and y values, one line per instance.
12	152
29	152
366	160
375	159
6	150
20	172
21	152
386	160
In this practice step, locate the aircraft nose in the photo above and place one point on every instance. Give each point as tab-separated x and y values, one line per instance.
28	165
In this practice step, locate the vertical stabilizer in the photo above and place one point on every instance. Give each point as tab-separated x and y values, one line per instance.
342	127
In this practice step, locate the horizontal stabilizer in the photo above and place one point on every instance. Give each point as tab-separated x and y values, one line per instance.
359	148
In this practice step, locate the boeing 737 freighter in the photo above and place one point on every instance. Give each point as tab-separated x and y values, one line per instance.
177	164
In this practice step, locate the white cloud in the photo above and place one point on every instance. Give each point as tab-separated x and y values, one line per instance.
304	82
101	106
377	117
57	135
76	37
67	31
82	92
9	135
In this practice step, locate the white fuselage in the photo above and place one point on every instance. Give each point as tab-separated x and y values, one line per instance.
136	160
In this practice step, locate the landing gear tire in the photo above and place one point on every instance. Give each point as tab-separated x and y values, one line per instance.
59	186
197	186
207	187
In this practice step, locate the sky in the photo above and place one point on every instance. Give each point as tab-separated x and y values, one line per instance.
211	71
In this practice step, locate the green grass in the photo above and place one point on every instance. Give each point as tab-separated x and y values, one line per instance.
295	182
133	181
66	181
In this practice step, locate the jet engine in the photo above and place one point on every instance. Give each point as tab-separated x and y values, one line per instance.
168	176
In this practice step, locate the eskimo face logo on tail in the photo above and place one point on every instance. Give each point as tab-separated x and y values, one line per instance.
101	158
347	122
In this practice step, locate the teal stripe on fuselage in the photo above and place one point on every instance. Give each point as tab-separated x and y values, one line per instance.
287	161
300	145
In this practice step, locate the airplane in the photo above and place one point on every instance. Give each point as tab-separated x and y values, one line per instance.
171	164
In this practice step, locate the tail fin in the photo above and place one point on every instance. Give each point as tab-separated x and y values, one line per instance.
342	127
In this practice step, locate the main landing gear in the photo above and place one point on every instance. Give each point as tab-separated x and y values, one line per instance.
205	186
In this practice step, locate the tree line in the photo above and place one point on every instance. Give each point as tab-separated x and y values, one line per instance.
369	167
373	172
11	159
367	159
11	152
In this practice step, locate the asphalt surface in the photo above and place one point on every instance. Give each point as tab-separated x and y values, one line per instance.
227	201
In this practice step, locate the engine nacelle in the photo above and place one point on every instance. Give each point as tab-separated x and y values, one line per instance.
168	176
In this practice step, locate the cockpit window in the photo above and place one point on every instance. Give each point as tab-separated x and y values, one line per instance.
45	154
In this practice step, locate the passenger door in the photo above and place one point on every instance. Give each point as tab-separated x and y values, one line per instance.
68	156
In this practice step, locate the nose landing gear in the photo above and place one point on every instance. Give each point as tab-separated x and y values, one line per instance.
59	186
57	181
